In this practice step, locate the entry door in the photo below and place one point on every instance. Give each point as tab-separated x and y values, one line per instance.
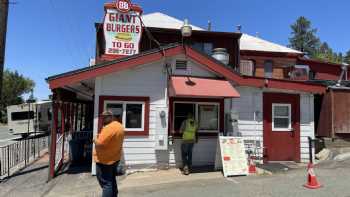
281	127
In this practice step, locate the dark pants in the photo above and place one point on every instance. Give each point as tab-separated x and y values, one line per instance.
106	176
186	153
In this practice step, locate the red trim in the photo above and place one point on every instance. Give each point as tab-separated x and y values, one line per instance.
104	98
323	70
270	54
212	100
211	64
254	81
123	65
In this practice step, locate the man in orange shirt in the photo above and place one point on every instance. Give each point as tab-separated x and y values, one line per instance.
107	154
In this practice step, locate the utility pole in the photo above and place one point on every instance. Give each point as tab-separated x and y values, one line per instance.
4	6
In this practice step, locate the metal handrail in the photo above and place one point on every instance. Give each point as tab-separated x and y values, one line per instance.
18	155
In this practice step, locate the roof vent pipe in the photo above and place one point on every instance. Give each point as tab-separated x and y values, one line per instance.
239	28
343	74
221	55
209	25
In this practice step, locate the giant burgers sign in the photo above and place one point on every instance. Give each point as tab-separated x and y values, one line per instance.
122	29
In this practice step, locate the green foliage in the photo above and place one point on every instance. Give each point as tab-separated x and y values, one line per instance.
304	37
347	57
15	86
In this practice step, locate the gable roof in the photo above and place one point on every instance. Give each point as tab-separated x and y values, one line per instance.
161	20
208	62
247	42
252	43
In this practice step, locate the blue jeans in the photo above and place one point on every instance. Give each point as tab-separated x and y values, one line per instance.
186	153
106	176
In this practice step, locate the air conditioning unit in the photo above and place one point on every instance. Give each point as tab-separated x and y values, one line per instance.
246	67
300	72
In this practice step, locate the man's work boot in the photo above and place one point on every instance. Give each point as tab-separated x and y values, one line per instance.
186	171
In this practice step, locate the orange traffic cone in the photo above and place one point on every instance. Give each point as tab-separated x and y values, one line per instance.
312	182
252	167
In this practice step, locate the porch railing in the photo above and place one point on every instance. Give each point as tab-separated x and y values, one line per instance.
18	155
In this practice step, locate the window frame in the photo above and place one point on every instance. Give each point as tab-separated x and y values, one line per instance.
196	115
145	101
265	68
274	105
125	103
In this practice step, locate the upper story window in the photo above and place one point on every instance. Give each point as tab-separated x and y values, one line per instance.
268	68
301	72
205	47
247	67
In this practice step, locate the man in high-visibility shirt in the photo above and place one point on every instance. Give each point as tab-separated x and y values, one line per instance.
189	129
107	154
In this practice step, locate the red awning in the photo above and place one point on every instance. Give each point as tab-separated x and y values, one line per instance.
199	87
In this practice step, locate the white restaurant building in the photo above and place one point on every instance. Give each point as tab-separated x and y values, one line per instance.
153	90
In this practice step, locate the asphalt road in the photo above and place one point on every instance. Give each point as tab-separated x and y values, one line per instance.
6	137
335	178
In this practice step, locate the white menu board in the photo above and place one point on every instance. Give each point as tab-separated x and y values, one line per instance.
233	156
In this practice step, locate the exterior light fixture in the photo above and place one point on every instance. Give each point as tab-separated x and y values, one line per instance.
186	29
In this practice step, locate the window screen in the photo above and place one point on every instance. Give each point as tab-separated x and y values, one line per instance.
181	110
208	117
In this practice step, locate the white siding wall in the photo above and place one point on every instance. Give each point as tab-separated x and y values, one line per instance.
193	68
145	81
151	81
250	110
307	127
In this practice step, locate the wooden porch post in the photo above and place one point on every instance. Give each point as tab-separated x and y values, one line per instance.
76	116
63	128
53	141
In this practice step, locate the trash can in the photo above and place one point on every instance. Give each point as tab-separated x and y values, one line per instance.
76	148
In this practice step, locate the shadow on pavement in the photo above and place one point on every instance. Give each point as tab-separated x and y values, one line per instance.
28	171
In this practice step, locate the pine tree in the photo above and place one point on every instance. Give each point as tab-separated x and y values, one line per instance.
303	37
347	57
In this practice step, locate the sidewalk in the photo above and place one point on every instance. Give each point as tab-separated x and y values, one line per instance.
32	181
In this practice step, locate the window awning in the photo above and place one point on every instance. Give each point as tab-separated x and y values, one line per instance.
199	87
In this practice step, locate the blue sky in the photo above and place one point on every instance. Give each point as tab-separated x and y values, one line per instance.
47	37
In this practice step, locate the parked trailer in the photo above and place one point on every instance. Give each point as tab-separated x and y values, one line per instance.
27	118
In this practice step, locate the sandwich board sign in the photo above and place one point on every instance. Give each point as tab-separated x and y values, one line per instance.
122	29
231	156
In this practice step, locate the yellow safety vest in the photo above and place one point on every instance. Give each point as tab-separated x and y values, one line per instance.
189	133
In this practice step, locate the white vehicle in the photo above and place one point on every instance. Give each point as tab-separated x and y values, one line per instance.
27	118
